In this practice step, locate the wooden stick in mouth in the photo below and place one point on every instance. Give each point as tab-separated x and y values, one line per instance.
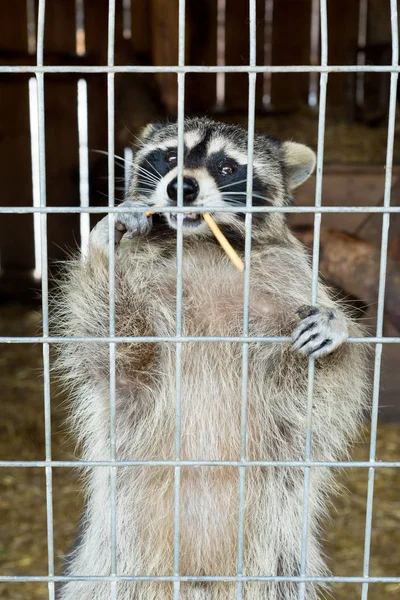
225	245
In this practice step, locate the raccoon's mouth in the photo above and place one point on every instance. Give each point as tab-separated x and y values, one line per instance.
190	220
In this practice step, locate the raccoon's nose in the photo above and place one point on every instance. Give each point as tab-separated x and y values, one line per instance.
190	190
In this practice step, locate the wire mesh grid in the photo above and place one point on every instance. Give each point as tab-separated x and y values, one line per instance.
40	210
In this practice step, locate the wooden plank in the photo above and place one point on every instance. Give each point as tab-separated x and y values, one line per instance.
342	45
202	50
16	231
237	53
164	24
290	46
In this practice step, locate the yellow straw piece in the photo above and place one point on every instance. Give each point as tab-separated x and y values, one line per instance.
226	246
230	252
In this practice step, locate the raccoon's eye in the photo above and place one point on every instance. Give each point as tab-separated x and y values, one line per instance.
171	157
226	167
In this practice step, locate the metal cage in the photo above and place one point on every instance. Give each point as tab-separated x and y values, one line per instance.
40	210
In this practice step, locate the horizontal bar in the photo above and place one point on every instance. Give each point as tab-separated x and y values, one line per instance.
200	69
200	209
192	578
199	463
174	339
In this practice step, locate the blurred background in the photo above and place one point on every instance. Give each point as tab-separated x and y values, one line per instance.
288	33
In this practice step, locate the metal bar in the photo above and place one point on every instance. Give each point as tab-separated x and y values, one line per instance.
45	296
268	24
200	69
314	43
175	339
192	578
34	135
80	37
198	209
112	346
199	463
128	159
314	290
31	26
246	294
381	295
83	164
221	48
179	285
126	19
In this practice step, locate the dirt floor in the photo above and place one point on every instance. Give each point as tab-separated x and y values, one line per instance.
23	545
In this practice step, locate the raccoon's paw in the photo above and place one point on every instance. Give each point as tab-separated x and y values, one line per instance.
127	226
130	224
320	331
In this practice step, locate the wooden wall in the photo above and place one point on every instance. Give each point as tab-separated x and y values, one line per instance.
140	98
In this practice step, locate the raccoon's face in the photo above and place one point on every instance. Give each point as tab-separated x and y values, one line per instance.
215	172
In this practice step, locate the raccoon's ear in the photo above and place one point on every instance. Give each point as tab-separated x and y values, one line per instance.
150	130
299	161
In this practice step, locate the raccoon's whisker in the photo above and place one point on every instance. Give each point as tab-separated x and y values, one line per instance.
117	158
253	195
153	167
232	184
146	172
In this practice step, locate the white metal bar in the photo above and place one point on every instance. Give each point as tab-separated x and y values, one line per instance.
34	135
45	296
268	23
176	209
199	69
31	26
314	51
314	290
221	48
381	293
112	346
192	578
199	463
246	293
175	339
128	160
83	164
80	35
126	19
179	285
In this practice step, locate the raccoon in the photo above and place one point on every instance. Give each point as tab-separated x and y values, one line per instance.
215	175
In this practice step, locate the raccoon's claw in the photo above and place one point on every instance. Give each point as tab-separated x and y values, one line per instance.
130	224
320	331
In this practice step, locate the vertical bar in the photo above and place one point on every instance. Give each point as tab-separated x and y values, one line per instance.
179	264
246	295
361	42
221	47
268	23
126	19
31	26
128	159
111	224
34	134
80	37
45	295
381	293
314	288
315	32
83	164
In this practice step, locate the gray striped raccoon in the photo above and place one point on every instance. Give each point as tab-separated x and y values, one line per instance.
215	172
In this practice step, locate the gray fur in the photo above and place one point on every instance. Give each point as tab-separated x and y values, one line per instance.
145	301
